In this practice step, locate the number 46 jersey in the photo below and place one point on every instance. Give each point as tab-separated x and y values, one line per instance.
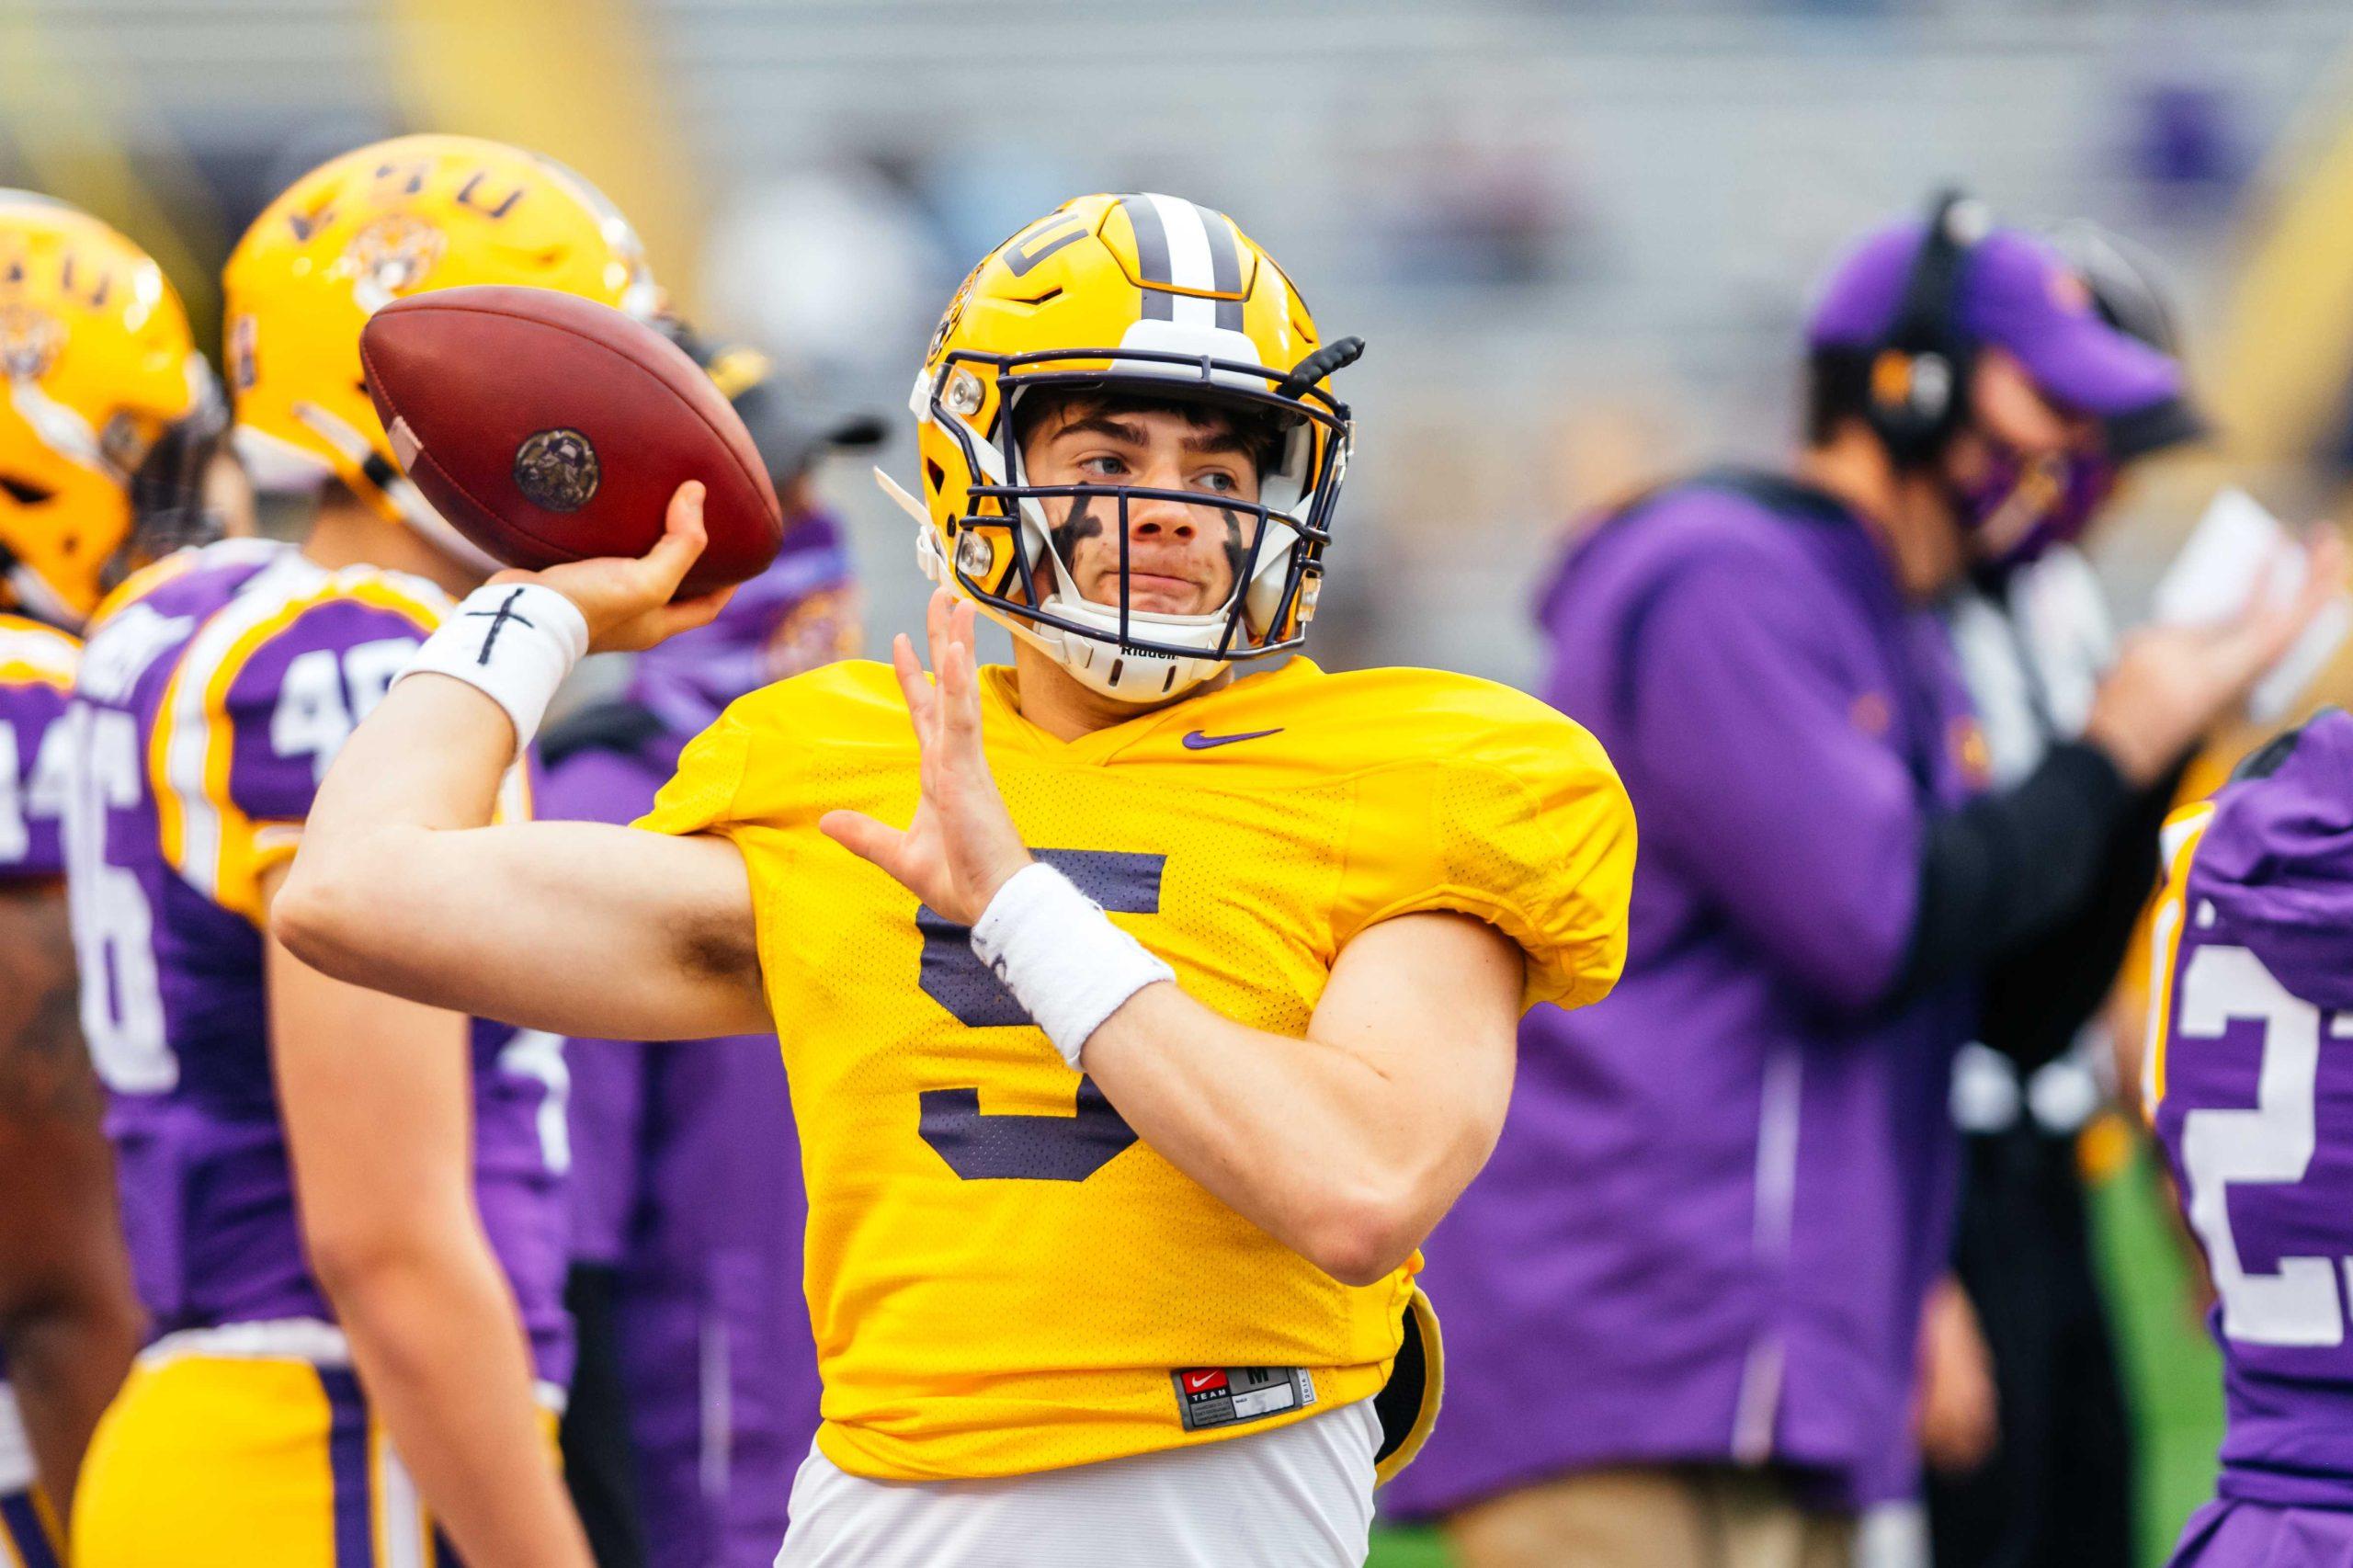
1001	1277
215	688
2249	1073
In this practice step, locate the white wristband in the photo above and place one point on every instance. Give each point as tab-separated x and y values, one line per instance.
513	641
1060	955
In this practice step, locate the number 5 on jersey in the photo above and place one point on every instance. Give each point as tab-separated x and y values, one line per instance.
1008	1147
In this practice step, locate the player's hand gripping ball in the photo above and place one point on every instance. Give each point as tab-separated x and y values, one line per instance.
550	428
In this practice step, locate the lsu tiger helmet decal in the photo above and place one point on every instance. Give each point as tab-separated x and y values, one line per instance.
389	219
111	415
1137	294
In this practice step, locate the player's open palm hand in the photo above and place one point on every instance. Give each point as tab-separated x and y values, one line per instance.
961	846
627	603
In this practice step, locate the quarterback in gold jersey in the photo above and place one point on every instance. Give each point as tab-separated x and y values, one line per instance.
1132	1069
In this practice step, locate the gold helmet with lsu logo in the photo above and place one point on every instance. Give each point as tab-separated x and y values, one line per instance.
389	219
110	416
1141	295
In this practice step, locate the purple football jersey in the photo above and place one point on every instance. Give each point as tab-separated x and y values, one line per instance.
2234	1533
2251	1076
207	710
36	672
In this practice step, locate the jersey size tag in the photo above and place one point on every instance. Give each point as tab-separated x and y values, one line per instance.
1222	1396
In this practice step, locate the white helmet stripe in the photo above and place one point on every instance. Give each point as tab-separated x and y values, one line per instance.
1188	260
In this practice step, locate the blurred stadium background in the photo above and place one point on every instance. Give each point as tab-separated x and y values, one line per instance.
1578	234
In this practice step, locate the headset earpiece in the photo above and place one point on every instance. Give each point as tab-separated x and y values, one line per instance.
1916	396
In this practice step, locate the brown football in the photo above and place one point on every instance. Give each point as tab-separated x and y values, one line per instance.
548	428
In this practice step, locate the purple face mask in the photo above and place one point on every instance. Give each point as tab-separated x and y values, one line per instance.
798	614
2023	507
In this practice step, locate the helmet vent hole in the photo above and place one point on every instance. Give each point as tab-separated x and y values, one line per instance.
23	491
936	474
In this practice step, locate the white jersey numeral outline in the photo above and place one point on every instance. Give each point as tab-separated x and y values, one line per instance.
538	1055
2270	1144
311	717
114	930
38	795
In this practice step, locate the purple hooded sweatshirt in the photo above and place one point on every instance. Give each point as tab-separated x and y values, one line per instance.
1720	1194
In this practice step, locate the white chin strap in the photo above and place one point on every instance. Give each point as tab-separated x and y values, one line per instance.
406	499
1123	674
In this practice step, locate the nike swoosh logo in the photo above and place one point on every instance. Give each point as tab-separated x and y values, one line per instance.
1196	740
1196	1382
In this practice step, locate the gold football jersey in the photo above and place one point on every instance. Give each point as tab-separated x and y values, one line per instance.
1001	1277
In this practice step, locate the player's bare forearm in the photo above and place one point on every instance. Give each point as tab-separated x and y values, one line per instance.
69	1320
439	1349
376	1093
401	886
1350	1144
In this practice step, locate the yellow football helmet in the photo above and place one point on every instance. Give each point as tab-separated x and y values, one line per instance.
393	218
1143	294
111	414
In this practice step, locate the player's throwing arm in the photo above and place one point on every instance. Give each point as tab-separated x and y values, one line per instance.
582	928
1348	1146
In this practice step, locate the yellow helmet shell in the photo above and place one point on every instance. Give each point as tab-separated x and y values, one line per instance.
100	364
1139	293
391	220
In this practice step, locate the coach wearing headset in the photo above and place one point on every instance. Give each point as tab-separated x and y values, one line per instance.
1682	1302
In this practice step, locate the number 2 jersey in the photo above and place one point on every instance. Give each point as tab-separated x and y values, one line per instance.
215	688
2249	1073
1001	1278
